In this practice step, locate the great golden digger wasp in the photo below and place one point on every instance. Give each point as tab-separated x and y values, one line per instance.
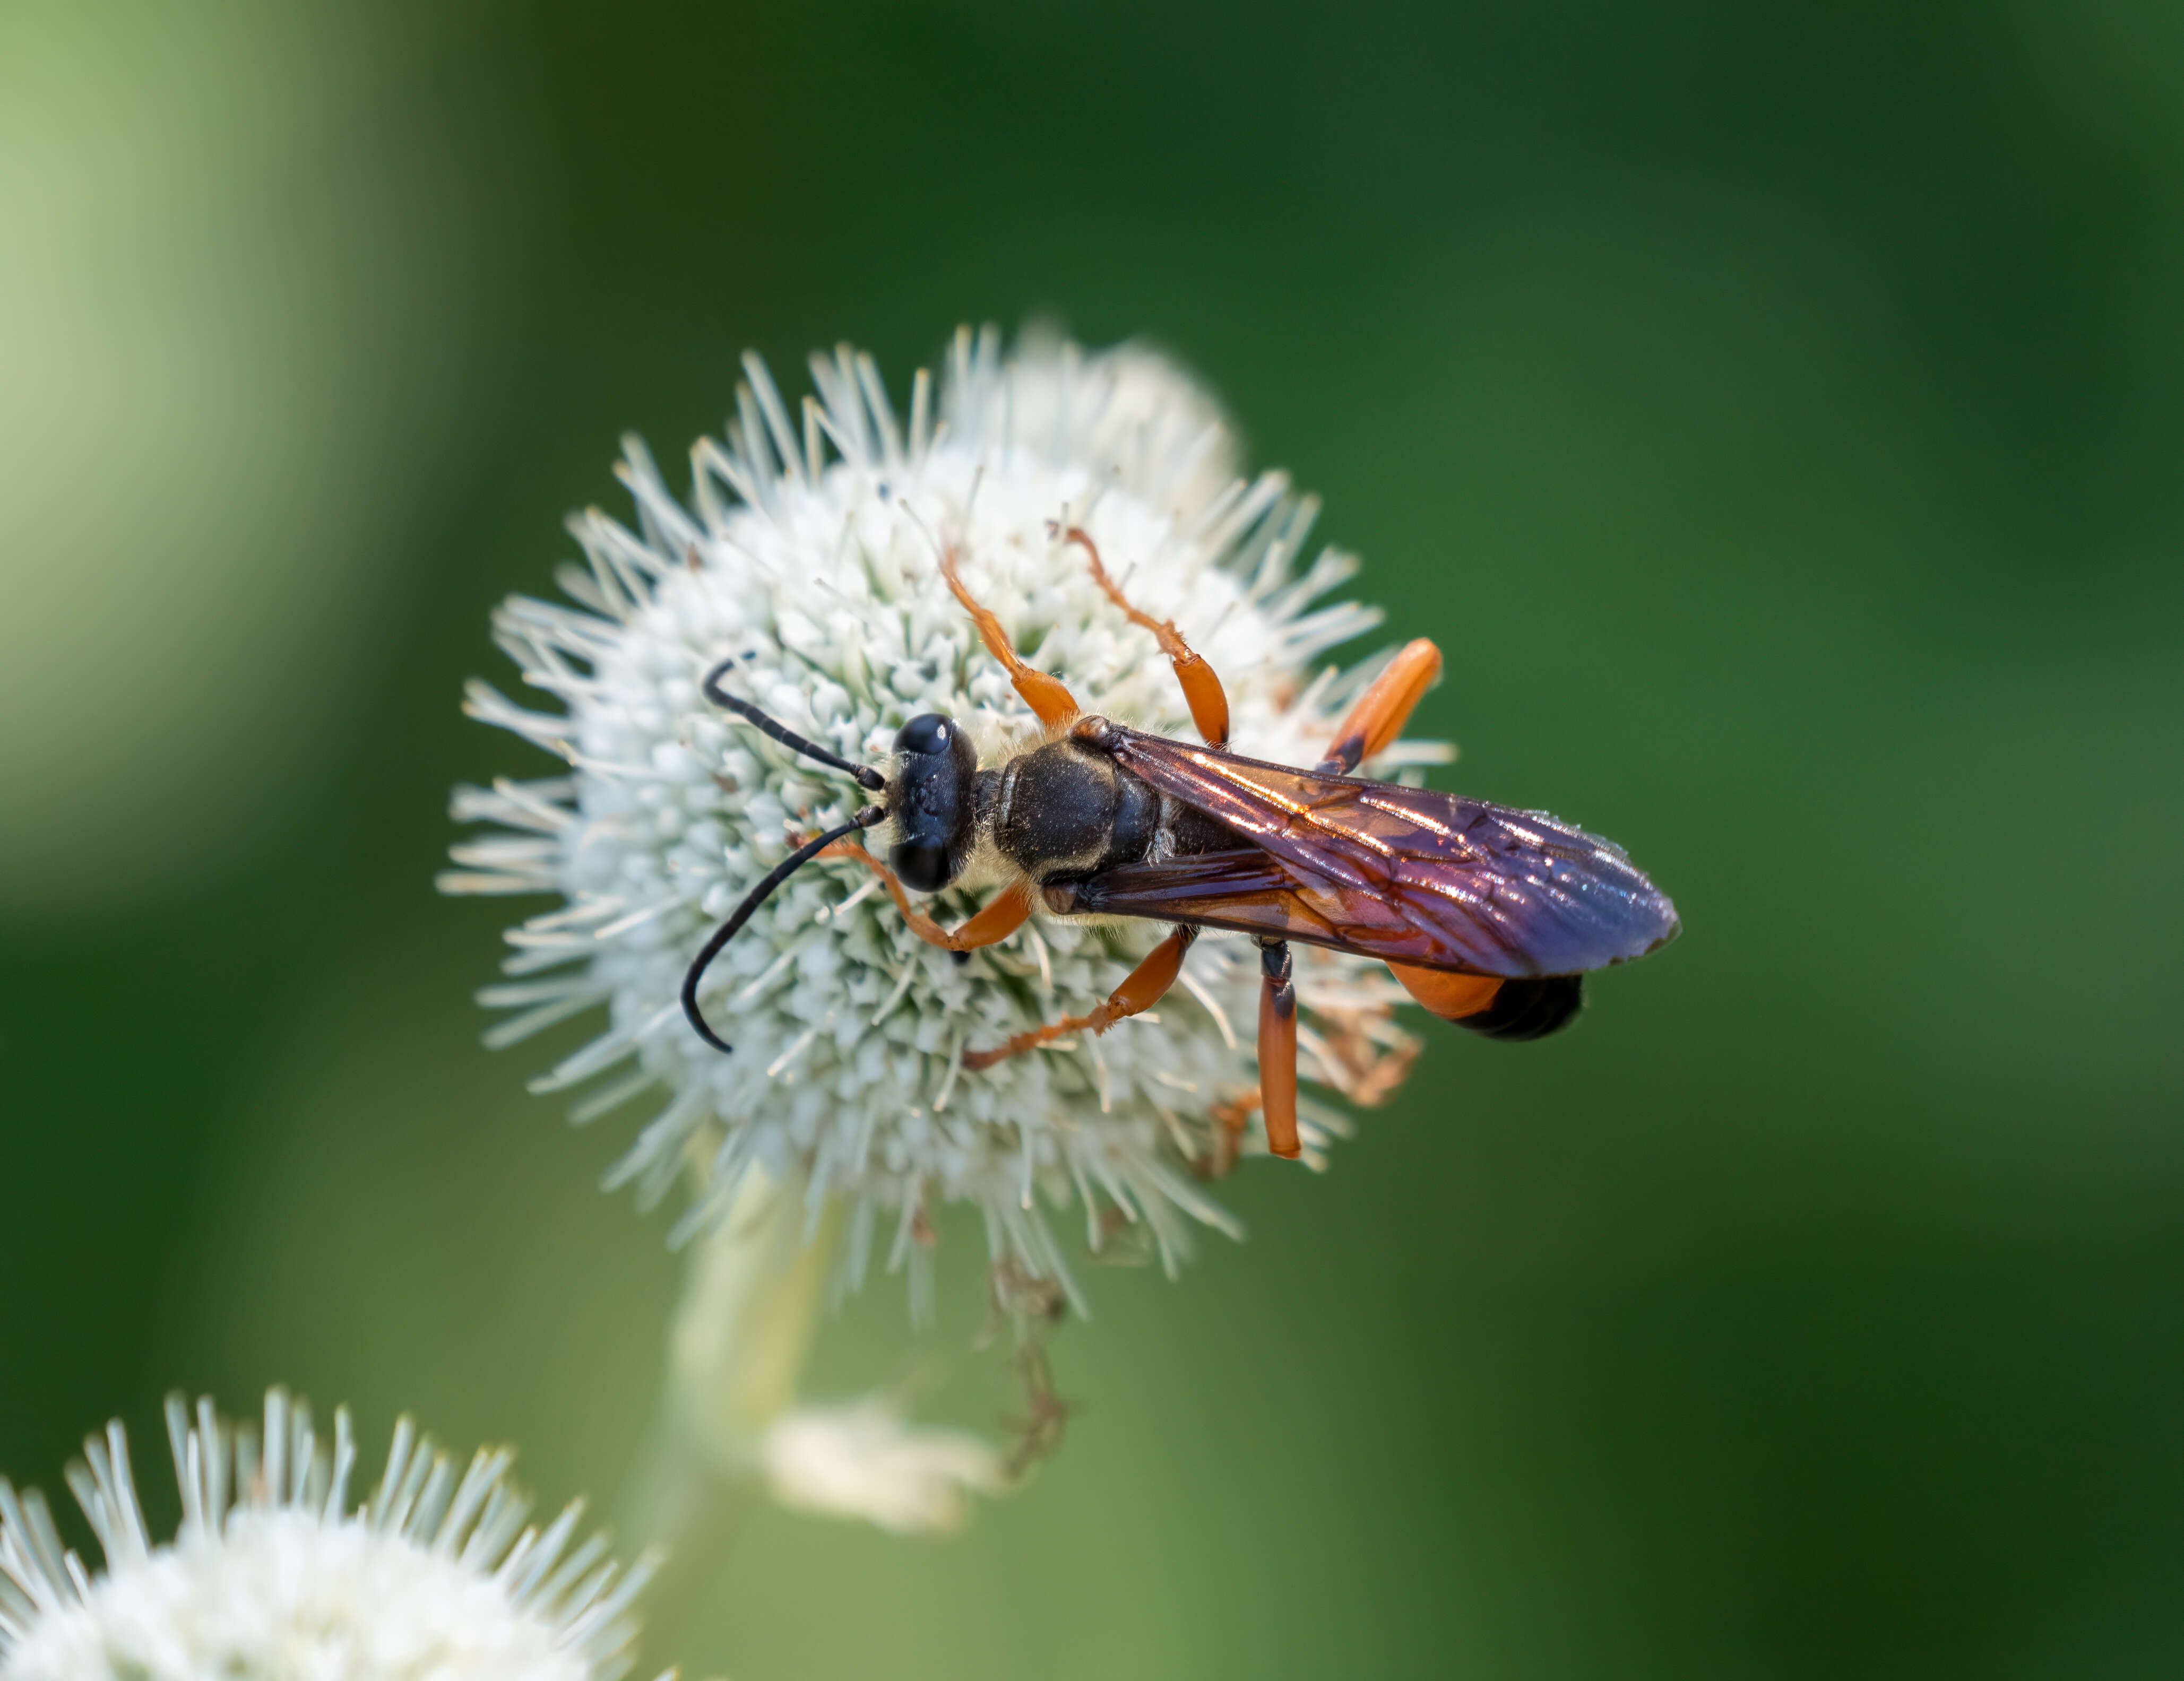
1489	916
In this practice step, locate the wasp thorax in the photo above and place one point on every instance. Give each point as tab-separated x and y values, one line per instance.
1065	807
933	807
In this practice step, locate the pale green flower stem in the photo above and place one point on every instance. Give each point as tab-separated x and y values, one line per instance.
735	1353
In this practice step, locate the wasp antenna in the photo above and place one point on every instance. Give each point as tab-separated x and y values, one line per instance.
757	896
867	778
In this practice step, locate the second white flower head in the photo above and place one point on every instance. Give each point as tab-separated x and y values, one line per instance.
436	1575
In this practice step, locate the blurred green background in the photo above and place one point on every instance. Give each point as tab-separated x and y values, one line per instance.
1775	411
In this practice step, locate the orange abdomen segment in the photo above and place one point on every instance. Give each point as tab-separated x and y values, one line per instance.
1531	1007
1451	997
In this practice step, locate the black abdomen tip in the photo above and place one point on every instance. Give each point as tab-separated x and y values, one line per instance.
1529	1009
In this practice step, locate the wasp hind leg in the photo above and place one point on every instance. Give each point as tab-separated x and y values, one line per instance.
1201	688
1278	1050
1049	697
1384	709
1142	989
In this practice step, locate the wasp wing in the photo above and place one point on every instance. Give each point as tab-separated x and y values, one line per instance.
1246	890
1409	873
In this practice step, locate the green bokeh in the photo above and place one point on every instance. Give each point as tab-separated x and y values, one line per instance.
1774	411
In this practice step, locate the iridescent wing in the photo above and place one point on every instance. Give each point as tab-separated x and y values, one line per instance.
1247	890
1407	874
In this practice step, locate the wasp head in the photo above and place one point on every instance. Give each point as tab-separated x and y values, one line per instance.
934	808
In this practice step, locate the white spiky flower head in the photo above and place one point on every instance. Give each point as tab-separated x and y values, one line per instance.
809	556
432	1578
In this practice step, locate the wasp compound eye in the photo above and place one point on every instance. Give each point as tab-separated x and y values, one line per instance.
927	734
922	869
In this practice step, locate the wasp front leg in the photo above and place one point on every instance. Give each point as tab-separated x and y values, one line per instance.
1384	709
1278	1050
1142	989
1201	688
1009	909
1048	697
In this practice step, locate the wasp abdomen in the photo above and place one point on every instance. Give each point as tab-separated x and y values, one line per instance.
1528	1008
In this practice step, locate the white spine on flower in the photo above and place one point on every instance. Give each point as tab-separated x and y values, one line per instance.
807	552
435	1577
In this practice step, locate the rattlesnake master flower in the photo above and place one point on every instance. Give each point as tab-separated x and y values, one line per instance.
810	555
433	1577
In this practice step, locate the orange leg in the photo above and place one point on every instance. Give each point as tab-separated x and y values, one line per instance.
1449	996
1209	703
1049	697
1383	710
1142	989
1009	910
1278	1040
1228	1119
